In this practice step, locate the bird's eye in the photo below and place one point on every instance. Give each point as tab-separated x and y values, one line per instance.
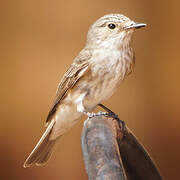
111	26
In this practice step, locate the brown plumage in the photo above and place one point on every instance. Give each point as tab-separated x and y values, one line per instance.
92	78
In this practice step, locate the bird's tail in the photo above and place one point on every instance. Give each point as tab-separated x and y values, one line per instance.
41	153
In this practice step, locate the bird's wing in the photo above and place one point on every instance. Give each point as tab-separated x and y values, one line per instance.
72	75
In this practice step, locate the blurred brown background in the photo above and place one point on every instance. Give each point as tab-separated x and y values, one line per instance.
39	40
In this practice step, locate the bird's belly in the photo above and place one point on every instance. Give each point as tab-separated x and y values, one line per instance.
103	88
106	88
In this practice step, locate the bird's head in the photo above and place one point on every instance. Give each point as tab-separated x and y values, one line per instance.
112	29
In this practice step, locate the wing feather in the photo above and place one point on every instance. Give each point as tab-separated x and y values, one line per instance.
72	75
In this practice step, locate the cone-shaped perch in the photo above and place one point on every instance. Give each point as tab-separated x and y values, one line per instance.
112	154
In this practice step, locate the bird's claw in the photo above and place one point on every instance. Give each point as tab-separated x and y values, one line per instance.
108	114
91	115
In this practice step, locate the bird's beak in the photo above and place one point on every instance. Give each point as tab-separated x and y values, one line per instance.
135	26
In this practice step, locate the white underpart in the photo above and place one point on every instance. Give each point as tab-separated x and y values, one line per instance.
110	59
79	103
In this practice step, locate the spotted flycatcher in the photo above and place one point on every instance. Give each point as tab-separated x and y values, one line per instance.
93	77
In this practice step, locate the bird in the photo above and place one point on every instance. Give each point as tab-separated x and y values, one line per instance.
94	75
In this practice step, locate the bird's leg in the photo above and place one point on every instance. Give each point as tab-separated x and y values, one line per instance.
108	113
106	109
113	115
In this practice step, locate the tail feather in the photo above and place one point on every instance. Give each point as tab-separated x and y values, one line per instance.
42	151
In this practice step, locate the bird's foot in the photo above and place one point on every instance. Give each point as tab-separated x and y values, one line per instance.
108	114
91	115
